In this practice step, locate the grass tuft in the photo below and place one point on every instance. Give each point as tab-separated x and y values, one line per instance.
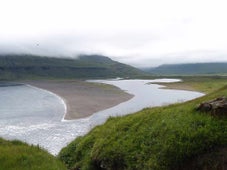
16	155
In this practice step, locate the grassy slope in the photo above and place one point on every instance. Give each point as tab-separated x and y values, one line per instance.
16	155
205	84
157	138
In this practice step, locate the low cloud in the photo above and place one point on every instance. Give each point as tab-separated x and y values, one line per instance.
142	33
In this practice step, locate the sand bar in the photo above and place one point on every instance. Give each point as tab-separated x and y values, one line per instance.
83	98
178	86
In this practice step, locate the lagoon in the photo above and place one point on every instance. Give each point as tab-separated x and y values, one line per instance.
36	116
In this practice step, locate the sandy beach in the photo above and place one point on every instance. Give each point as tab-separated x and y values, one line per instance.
83	98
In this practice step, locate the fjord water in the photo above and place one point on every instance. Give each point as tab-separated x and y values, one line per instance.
35	116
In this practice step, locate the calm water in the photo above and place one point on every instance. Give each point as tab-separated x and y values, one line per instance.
35	115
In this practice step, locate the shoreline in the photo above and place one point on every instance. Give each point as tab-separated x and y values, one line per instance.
74	94
177	86
56	95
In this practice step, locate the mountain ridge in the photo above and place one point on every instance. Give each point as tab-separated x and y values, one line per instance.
209	68
85	66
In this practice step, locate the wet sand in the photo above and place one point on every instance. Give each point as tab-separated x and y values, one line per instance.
83	98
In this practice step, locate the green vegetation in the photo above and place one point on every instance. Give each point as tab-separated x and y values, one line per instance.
170	137
190	69
205	84
14	67
16	155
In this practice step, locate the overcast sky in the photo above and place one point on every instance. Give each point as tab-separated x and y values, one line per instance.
138	32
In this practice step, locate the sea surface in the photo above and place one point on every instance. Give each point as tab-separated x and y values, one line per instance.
36	116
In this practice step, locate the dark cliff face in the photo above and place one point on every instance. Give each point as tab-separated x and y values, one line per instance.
85	66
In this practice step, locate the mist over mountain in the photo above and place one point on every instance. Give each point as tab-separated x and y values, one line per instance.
83	67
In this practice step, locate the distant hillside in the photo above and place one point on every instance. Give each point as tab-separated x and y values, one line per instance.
86	66
190	69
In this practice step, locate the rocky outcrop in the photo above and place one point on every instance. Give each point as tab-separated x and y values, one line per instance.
216	107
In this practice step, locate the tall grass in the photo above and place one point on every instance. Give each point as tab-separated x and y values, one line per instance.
154	138
16	155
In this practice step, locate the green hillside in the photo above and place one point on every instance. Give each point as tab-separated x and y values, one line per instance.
86	66
190	69
175	137
16	155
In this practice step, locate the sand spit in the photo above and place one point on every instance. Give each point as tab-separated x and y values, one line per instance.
83	98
